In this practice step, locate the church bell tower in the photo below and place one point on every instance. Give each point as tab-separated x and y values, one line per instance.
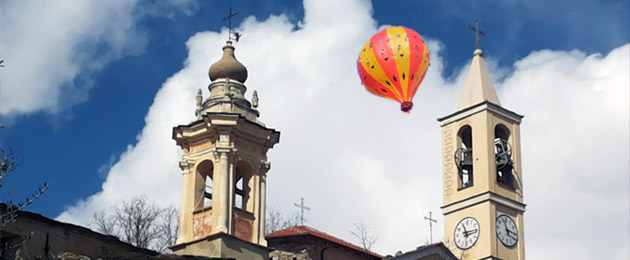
224	167
482	178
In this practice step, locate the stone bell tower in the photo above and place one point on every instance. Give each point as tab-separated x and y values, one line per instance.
482	188
224	169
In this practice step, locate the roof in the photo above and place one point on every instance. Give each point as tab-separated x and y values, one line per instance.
478	86
78	229
426	252
305	231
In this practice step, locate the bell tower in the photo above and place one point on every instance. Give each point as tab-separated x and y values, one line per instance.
224	167
482	188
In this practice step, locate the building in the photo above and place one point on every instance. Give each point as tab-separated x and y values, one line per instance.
302	242
33	236
224	168
482	188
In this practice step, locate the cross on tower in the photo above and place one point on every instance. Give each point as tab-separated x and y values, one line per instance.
302	208
229	19
477	32
431	221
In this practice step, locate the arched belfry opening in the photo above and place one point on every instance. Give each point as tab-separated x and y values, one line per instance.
503	155
204	185
464	157
243	185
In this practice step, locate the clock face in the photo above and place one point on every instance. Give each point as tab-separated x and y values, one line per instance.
466	233
507	232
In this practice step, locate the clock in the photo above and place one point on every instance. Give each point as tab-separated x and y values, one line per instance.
507	232
466	233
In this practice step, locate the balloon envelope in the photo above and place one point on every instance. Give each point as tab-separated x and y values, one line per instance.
392	64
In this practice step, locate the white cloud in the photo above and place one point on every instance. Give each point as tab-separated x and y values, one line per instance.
51	48
354	156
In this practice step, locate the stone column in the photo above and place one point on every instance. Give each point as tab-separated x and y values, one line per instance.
185	232
254	203
221	207
262	197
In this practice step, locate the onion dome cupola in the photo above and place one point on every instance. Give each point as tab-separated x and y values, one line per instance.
228	66
227	89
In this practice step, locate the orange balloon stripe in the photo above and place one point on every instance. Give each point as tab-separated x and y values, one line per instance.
419	60
372	67
423	70
373	86
384	56
399	45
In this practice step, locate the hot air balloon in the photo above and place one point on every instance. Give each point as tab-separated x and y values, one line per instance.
392	64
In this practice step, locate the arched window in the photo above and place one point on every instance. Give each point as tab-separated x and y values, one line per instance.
503	155
464	157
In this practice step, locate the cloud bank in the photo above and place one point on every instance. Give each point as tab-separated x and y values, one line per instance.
354	156
52	48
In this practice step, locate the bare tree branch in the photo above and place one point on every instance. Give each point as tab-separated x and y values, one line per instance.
140	223
9	161
104	223
276	220
137	220
167	228
363	234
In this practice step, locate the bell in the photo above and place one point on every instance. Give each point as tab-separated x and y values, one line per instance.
467	163
502	161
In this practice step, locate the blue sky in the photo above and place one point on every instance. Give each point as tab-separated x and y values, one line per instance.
81	78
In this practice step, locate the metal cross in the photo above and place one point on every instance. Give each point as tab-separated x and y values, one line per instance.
477	32
431	221
229	19
302	208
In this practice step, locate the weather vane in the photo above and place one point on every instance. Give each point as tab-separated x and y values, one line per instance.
232	35
477	32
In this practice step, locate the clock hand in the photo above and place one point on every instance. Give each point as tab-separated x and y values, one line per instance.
471	231
512	235
465	232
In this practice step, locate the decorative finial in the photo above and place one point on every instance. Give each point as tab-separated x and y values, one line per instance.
199	98
232	35
255	99
477	33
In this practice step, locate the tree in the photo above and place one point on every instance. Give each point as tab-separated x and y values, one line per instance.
9	161
167	229
363	234
140	223
276	220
